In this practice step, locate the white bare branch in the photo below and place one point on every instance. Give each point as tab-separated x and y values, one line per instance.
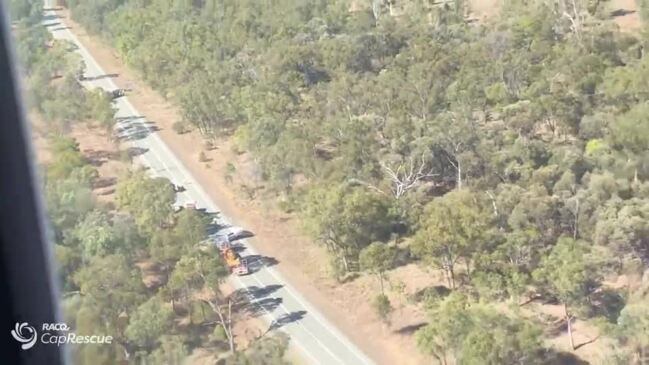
493	203
403	177
368	185
571	10
224	313
407	176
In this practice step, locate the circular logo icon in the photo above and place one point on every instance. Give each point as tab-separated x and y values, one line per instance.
25	334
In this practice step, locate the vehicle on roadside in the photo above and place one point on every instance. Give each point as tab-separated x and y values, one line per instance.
234	233
242	268
188	205
221	243
117	93
235	263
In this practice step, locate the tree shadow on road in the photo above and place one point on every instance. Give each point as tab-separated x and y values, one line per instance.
133	133
51	16
213	228
255	301
136	151
238	247
242	234
255	292
257	262
285	319
262	306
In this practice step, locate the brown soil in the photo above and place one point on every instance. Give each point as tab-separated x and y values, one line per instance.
94	144
104	154
481	10
585	335
625	14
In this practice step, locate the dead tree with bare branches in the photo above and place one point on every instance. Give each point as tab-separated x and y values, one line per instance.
574	12
403	176
223	310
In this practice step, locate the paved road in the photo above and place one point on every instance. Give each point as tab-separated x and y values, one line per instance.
281	305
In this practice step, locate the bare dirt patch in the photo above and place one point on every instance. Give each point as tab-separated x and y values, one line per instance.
481	10
104	154
94	144
625	14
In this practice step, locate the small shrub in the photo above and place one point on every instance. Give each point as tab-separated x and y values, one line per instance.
219	334
594	145
209	145
125	156
229	172
430	296
399	287
335	268
287	204
382	307
200	313
239	139
202	157
249	191
180	127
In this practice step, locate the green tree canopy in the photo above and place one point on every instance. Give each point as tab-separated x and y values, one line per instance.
148	199
452	229
377	258
96	235
347	220
473	333
112	285
150	321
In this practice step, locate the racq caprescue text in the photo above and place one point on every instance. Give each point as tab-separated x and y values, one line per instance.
72	338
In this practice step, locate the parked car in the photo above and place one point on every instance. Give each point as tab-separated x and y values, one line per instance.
117	93
234	233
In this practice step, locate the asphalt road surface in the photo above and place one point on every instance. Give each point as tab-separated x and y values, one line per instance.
280	305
